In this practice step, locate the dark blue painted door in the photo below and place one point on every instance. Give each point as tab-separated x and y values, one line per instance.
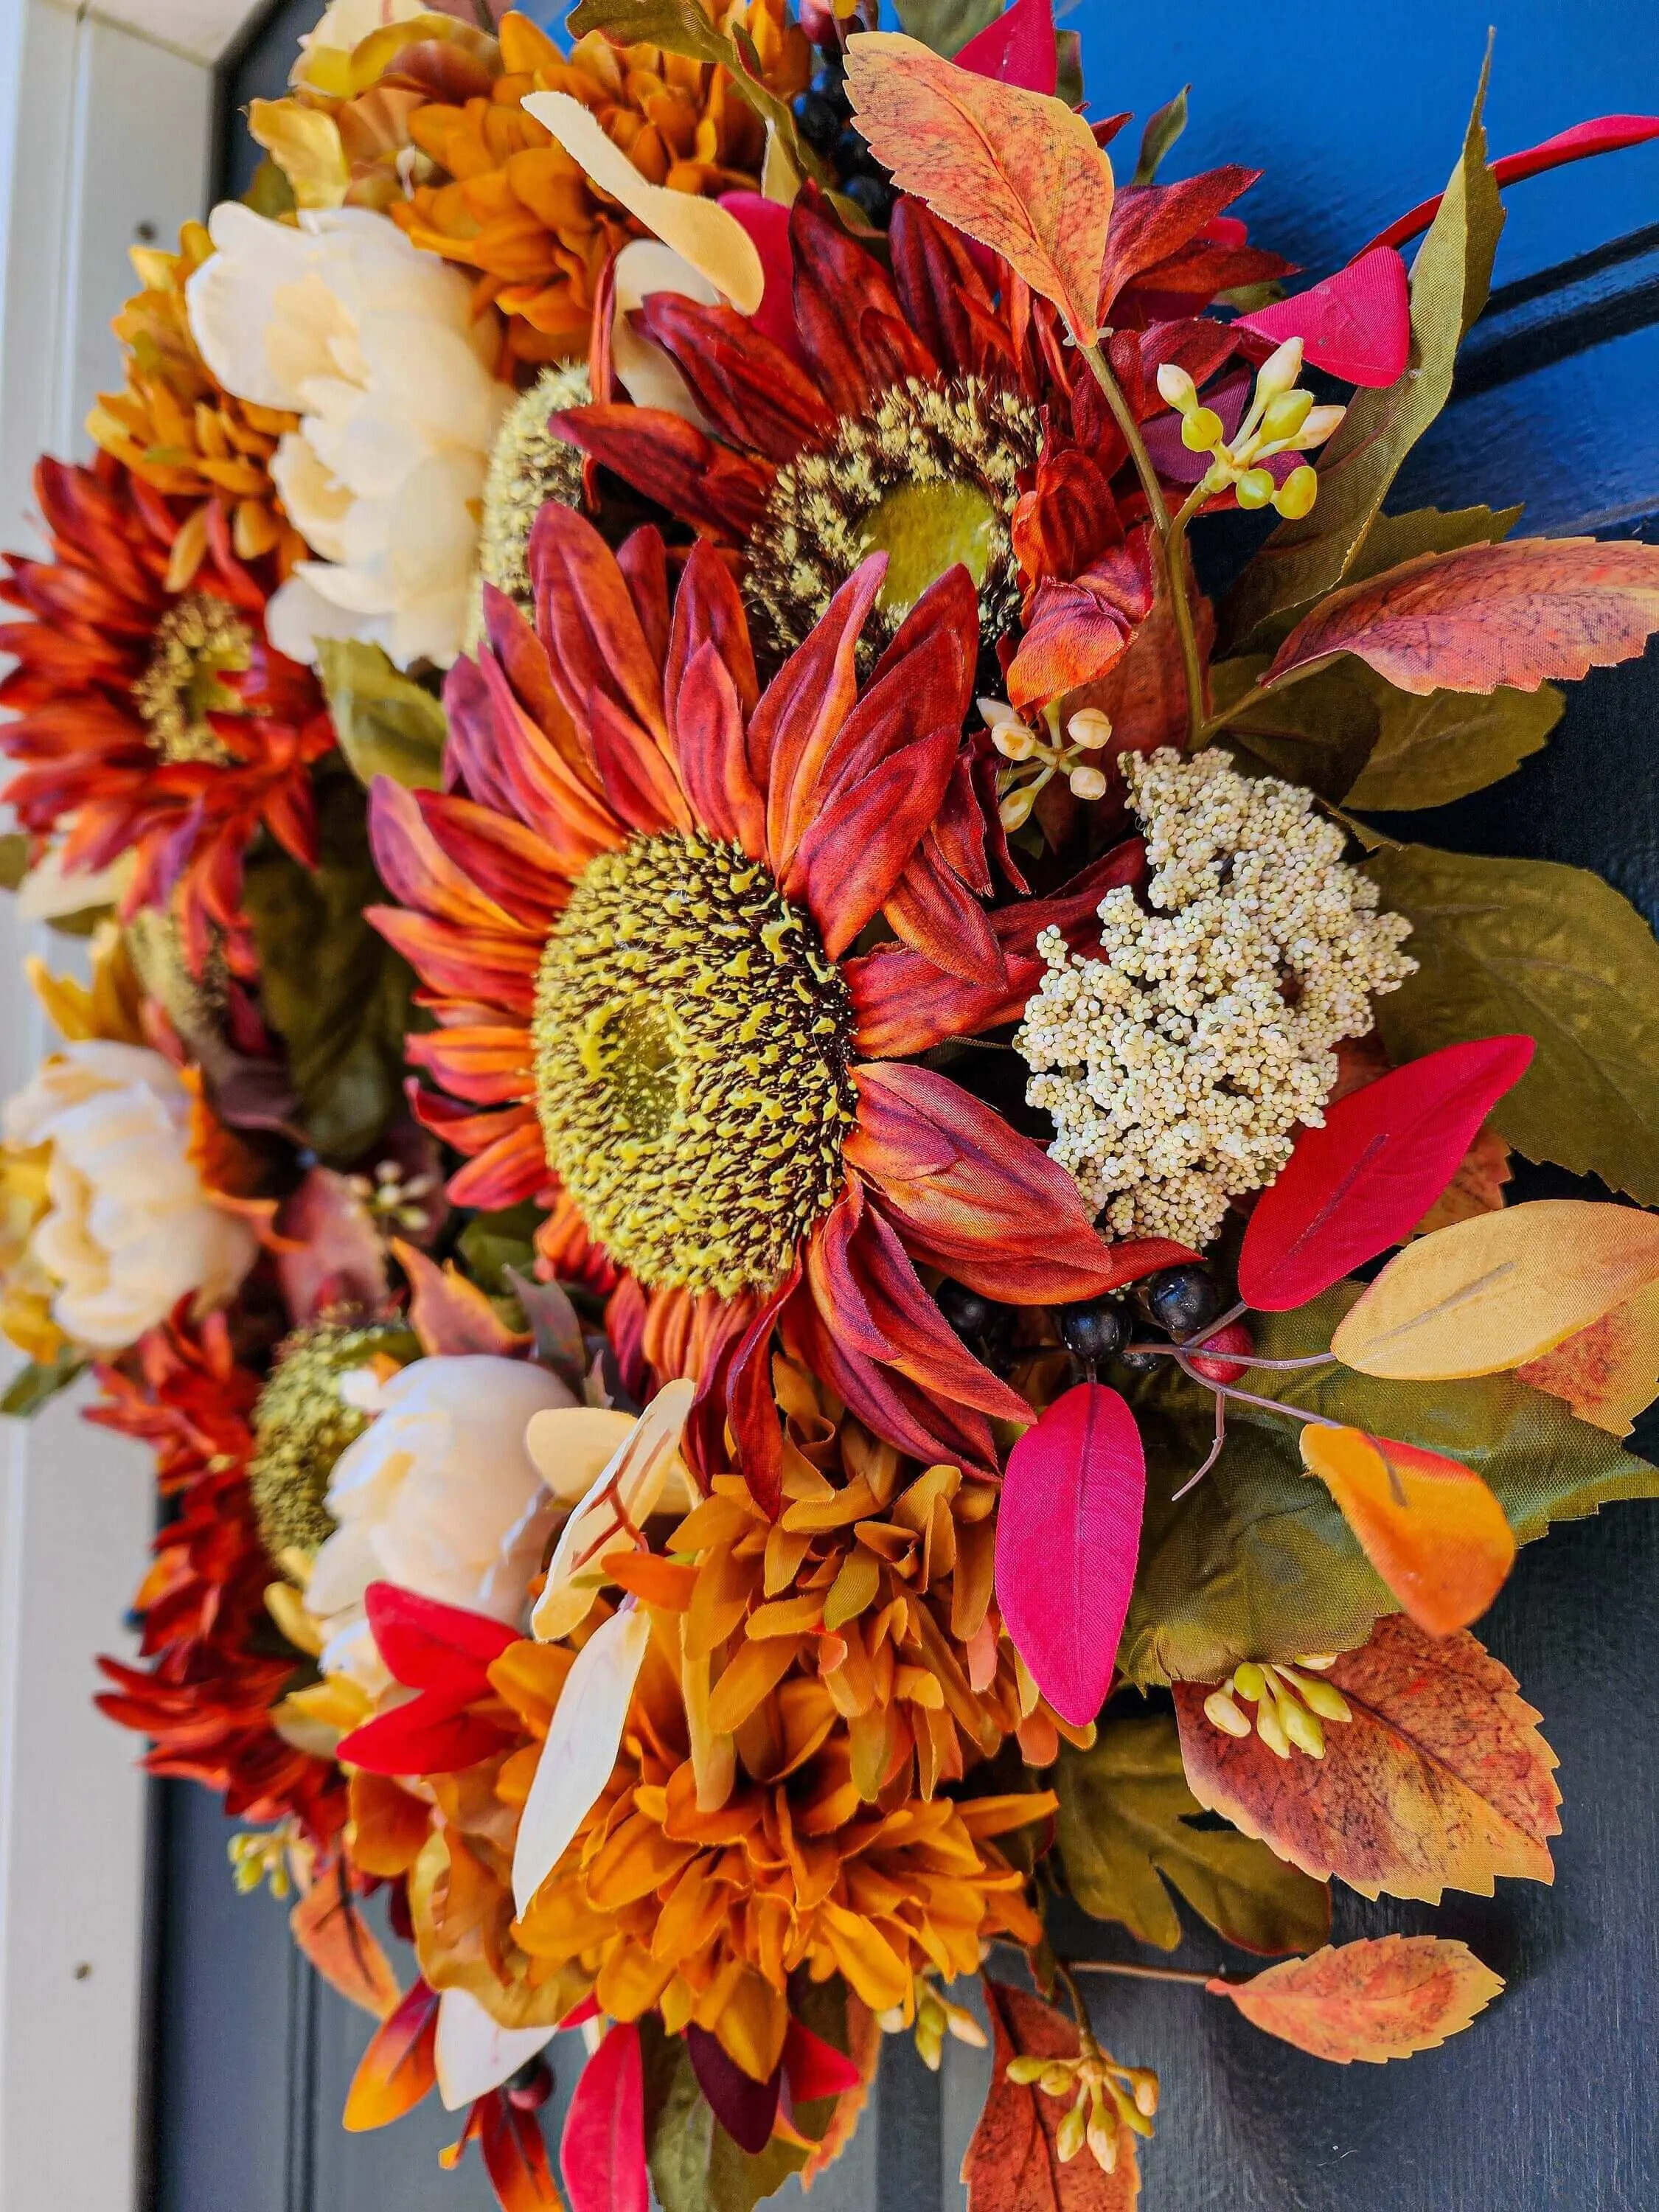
1354	113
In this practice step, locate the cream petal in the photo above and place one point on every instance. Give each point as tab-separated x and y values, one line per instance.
572	1446
644	370
581	1746
473	2053
641	1466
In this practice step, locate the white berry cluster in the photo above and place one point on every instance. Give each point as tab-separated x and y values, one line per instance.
1176	1063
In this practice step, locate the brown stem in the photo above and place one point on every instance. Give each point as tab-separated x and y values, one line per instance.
1145	1973
1067	1981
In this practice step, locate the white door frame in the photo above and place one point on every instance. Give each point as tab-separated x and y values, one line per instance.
107	118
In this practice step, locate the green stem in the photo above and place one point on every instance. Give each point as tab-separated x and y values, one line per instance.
1253	697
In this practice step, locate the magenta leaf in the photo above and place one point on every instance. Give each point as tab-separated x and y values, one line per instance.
1017	48
1357	325
745	2108
1366	1179
1603	134
1068	1536
602	2151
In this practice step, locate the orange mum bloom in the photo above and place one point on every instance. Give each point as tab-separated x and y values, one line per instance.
635	913
206	1702
518	209
152	721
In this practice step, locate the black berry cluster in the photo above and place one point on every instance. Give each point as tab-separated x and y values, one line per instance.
823	116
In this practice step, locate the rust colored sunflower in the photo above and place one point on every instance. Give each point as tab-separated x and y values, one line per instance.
514	206
906	413
635	913
150	720
179	431
217	1665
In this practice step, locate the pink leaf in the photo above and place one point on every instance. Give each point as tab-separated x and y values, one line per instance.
1366	1179
1068	1536
602	2151
766	222
331	1255
1019	48
1607	134
1357	325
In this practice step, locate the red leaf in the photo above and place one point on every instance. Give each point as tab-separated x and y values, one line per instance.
816	2069
1357	325
431	1646
602	2152
515	2157
1068	1536
1017	48
1489	615
1366	1179
432	1734
745	2108
1607	134
398	2069
448	1313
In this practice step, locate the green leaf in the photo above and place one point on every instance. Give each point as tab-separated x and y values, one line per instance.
333	990
946	26
1123	1831
695	2165
268	191
384	723
1303	561
680	26
1162	131
1432	751
1257	1563
1068	67
14	859
1393	538
1506	946
491	1241
1319	731
34	1385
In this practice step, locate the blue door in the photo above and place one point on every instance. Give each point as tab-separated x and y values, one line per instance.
1354	113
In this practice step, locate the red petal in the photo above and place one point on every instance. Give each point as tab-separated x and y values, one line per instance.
708	484
431	1646
1078	629
463	963
515	2156
602	2153
1017	48
1150	222
413	867
835	282
863	836
750	1410
511	1169
801	711
766	222
931	909
1357	325
815	2068
432	1734
508	863
585	616
643	559
748	387
709	610
638	781
708	737
887	1403
944	295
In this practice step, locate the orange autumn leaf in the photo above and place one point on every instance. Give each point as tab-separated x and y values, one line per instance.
1428	1525
1513	615
389	1825
1438	1780
1012	2164
1499	1290
1385	1997
1609	1371
398	2067
1017	170
1477	1187
328	1925
448	1313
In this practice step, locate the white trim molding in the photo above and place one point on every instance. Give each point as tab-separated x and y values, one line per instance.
105	130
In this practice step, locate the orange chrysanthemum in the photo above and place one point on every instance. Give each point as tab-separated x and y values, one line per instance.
150	720
635	913
218	1667
516	207
182	434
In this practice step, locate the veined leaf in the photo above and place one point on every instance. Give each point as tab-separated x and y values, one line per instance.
1012	2164
1449	282
328	1925
515	2157
1430	751
1529	945
1016	170
398	2069
1428	1525
1068	1530
1257	1563
1488	1294
1439	1779
384	723
1513	614
1320	732
1357	325
1608	1372
602	2151
1385	1997
1125	1810
1365	1179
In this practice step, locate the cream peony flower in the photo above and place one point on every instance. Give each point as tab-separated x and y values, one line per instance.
129	1227
375	346
438	1495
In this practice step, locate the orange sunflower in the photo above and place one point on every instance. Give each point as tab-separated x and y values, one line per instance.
636	912
151	721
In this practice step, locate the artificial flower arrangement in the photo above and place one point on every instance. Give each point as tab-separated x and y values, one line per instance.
812	1230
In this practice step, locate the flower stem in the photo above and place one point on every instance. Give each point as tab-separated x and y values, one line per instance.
1171	537
1145	1973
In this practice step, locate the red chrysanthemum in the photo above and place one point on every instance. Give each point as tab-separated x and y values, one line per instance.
635	912
151	719
217	1667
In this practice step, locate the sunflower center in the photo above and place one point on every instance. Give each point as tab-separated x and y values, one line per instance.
930	476
198	641
301	1425
528	465
691	1045
925	529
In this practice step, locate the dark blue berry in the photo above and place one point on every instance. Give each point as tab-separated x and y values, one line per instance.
1181	1300
873	196
1093	1330
818	122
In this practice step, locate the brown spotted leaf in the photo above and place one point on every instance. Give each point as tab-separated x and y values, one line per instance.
1011	2165
1513	615
1385	1997
1017	170
1439	1781
1609	1371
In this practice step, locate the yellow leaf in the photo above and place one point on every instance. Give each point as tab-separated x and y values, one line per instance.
1609	1371
305	144
1018	171
1386	1996
1505	1287
703	233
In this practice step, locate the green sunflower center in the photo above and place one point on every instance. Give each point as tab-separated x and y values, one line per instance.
930	476
301	1425
199	640
691	1045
